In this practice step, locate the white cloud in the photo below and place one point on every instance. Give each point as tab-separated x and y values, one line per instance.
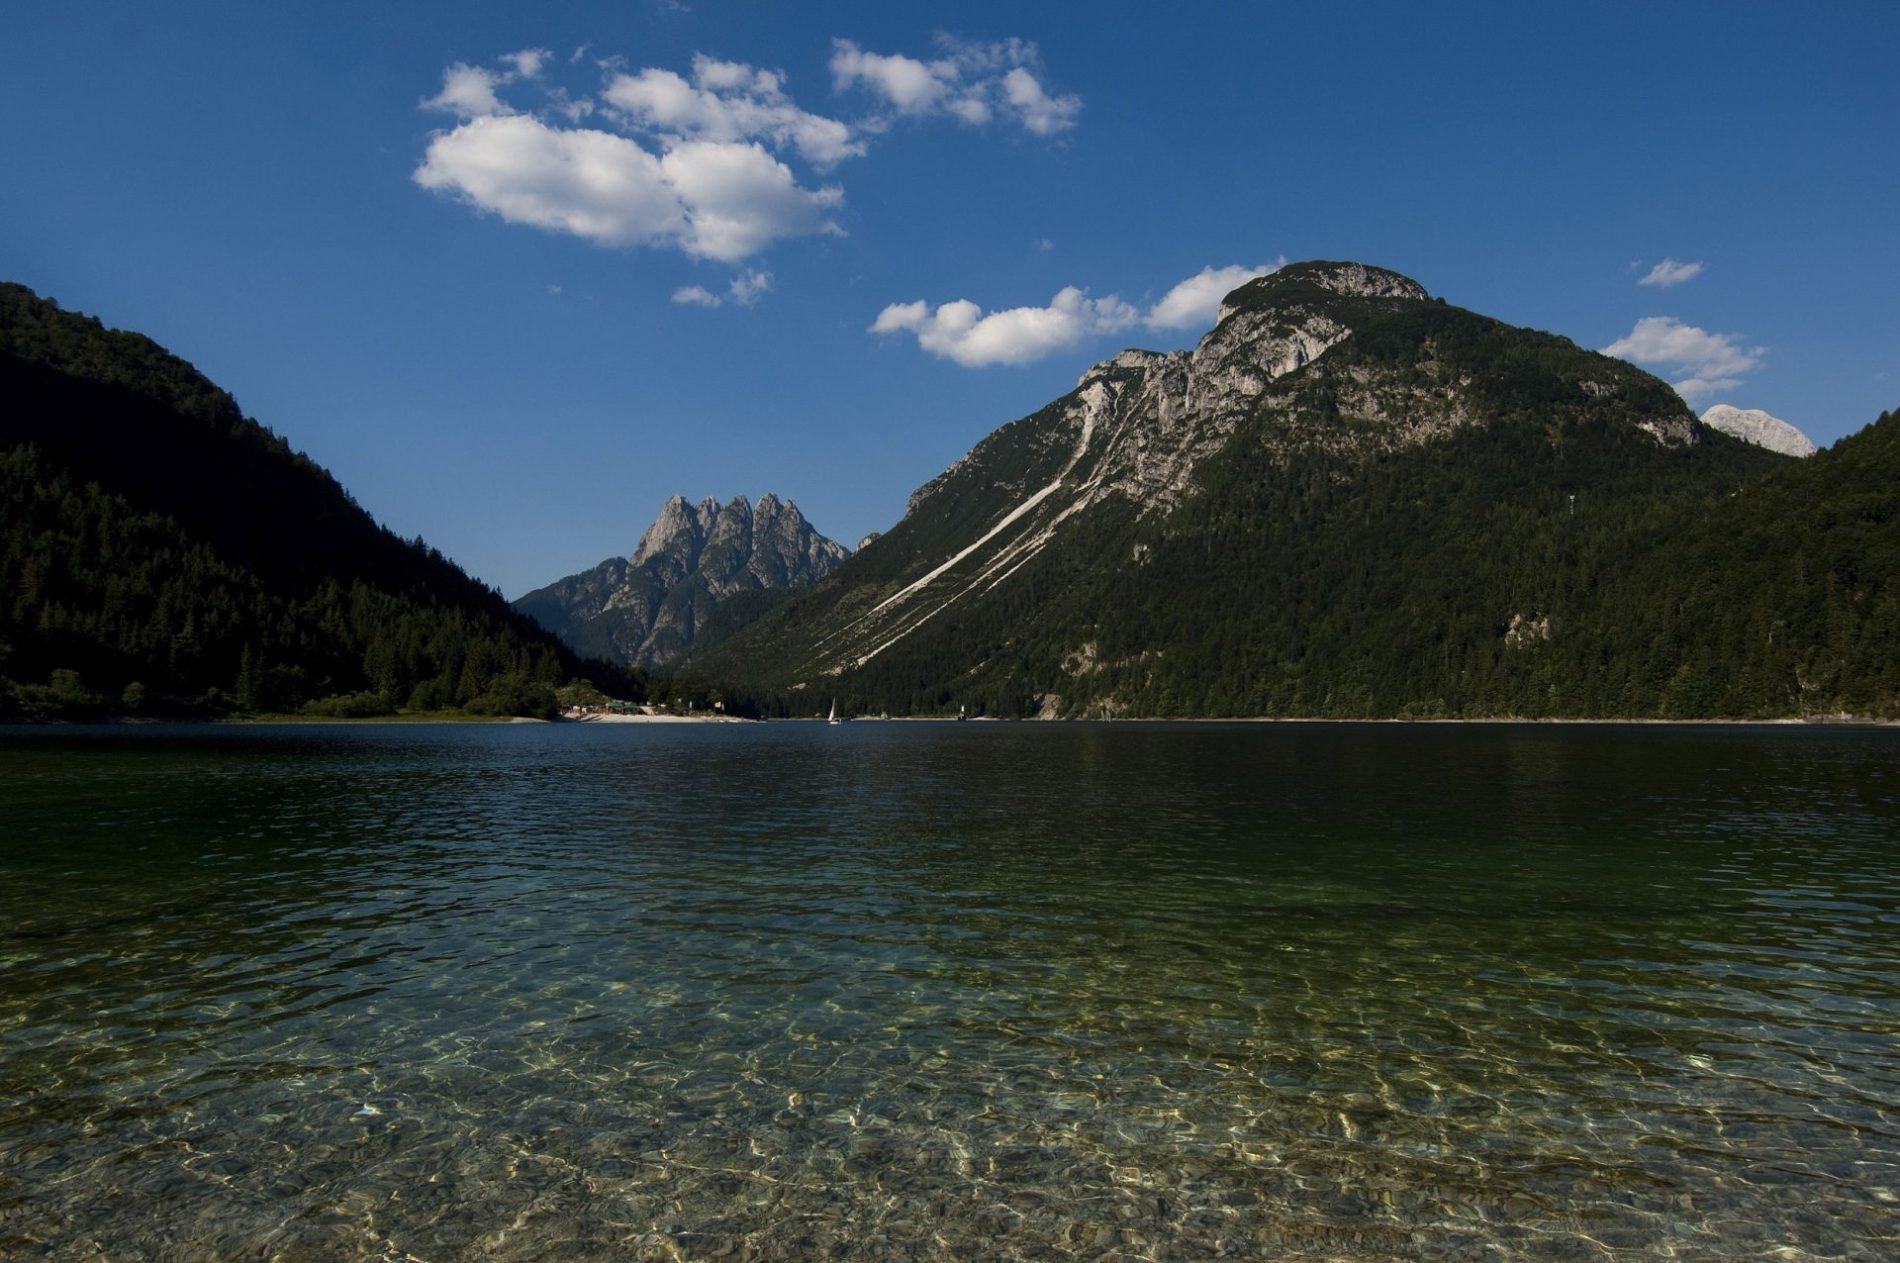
908	84
961	331
571	108
528	61
1712	361
740	198
713	201
747	287
1195	302
973	110
592	184
972	82
712	189
727	102
1040	113
469	92
1669	272
696	163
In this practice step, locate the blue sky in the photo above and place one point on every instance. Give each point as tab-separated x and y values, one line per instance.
518	273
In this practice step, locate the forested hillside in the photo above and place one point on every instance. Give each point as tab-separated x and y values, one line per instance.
1406	510
160	550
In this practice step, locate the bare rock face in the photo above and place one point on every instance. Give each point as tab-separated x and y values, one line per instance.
1752	425
647	610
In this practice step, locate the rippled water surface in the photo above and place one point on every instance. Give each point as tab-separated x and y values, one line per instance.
890	991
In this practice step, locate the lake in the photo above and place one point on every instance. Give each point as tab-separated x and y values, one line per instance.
947	991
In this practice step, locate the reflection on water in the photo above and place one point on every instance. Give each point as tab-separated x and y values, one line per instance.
909	991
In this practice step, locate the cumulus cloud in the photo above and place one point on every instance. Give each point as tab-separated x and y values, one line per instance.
469	92
1711	362
592	184
528	61
1670	272
909	85
1040	113
1195	302
738	199
961	330
697	162
695	296
714	201
712	190
969	81
727	102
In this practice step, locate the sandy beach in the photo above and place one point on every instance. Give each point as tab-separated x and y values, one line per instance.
597	717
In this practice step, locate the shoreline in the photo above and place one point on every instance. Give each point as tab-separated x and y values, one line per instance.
653	719
457	717
1492	720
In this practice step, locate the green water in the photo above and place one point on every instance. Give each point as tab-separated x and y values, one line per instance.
889	991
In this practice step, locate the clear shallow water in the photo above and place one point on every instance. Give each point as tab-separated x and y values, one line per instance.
949	991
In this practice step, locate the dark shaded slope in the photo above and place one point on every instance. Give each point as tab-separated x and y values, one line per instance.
153	533
1785	598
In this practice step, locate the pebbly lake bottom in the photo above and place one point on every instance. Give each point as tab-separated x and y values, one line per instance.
792	991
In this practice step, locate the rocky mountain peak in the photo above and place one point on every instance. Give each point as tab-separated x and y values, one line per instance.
1360	280
679	525
1129	359
646	609
1752	425
1299	284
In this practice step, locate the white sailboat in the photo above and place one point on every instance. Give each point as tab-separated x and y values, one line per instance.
834	713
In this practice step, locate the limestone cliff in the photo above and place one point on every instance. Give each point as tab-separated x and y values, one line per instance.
1752	425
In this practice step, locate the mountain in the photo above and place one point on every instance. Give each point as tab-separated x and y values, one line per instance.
1351	499
647	609
160	548
1752	425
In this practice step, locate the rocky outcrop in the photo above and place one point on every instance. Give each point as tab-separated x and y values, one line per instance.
647	609
1153	417
1752	425
736	546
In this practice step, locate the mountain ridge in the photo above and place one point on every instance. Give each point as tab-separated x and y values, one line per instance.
155	535
646	609
1508	471
1139	424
